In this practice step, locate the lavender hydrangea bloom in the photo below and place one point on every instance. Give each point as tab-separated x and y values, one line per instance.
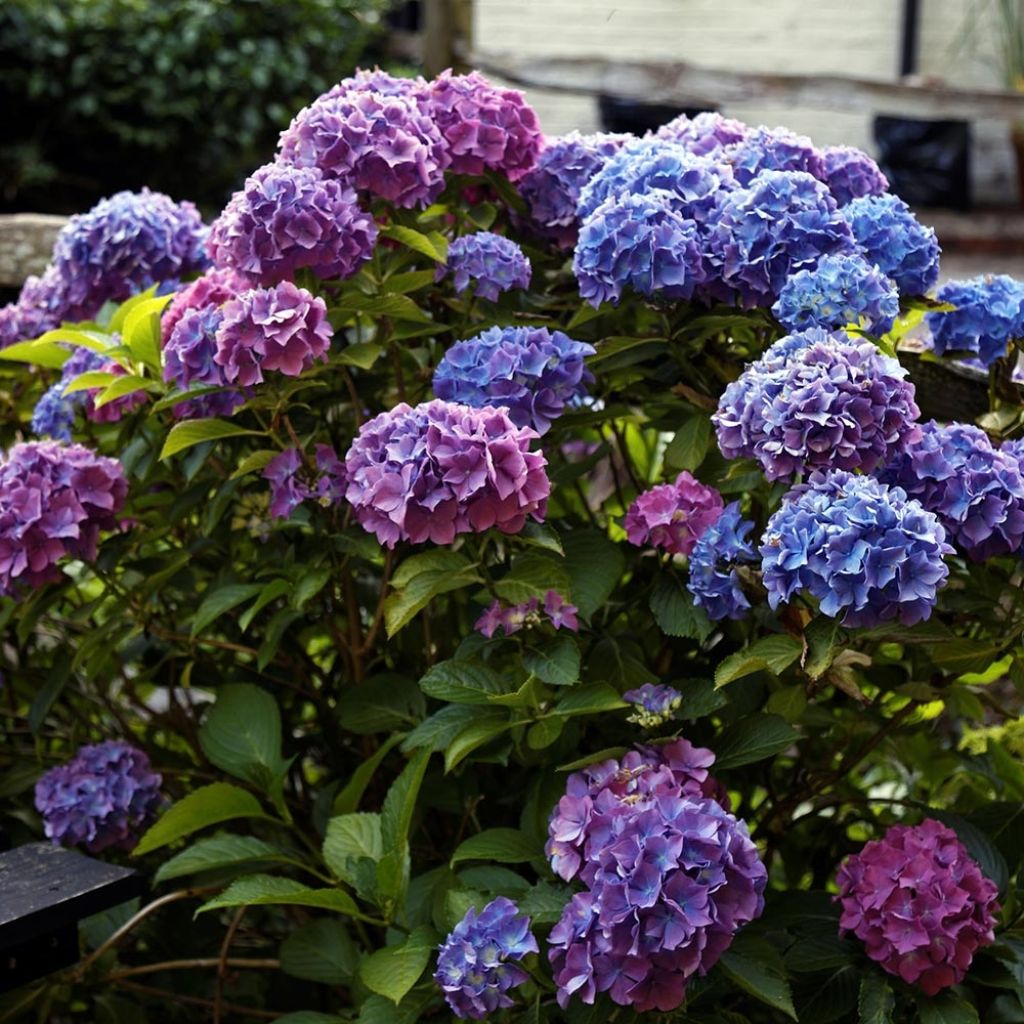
889	234
376	80
441	469
475	967
101	799
865	551
975	489
283	328
783	222
190	360
54	500
290	217
714	581
989	315
638	242
42	305
773	149
125	244
511	619
484	126
492	263
842	289
672	517
670	877
384	145
919	903
532	372
217	286
565	166
290	486
703	135
654	704
850	173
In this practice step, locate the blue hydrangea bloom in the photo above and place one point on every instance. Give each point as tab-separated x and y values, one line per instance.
867	552
705	134
890	235
653	704
189	362
850	173
475	965
531	371
989	314
714	581
842	289
640	242
773	149
783	222
491	262
54	414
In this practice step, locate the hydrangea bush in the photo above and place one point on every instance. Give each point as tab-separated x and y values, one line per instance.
485	575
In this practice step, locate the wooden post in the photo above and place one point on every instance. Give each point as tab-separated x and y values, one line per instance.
438	36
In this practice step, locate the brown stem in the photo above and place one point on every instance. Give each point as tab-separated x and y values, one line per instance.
222	963
163	993
185	965
378	617
353	394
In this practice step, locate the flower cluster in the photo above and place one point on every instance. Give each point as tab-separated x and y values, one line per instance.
654	704
705	134
532	372
512	618
283	328
842	289
989	314
671	517
670	877
714	580
441	469
40	307
975	489
773	149
492	263
919	903
475	965
54	500
865	551
189	361
289	489
213	288
290	217
850	173
101	799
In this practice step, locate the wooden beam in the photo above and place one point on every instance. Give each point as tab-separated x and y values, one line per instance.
26	242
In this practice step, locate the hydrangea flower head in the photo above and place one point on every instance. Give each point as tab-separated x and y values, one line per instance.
842	289
890	236
441	469
975	489
476	965
42	304
214	288
773	149
511	619
282	328
714	580
672	517
989	315
532	372
101	799
190	360
491	263
654	704
867	552
704	135
290	217
376	80
290	486
919	903
850	173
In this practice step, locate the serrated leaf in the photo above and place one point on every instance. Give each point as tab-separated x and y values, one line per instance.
400	803
753	739
759	980
595	565
420	579
502	845
675	612
391	972
437	731
556	662
473	736
462	682
321	950
820	637
222	600
775	653
946	1009
351	837
271	890
433	246
875	1003
218	852
398	307
532	575
544	732
188	433
361	354
690	445
591	699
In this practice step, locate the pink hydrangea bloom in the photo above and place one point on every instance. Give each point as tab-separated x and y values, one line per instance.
214	288
672	517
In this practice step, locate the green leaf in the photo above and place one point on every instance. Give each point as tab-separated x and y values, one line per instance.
960	656
271	890
503	845
210	805
690	445
420	579
362	354
820	637
776	653
595	566
221	851
592	699
89	381
348	797
753	739
876	1003
310	583
320	951
437	731
475	735
255	462
400	803
140	331
544	732
381	704
221	600
125	384
946	1009
532	575
675	611
391	972
192	432
434	246
556	662
398	307
542	535
545	902
462	682
271	592
351	838
759	980
38	353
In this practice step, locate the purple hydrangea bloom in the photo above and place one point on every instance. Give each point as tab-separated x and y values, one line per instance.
773	149
42	305
10	325
475	967
491	263
54	413
989	315
842	289
290	486
332	479
891	236
123	245
919	903
670	877
639	242
485	126
376	80
975	489
54	500
565	166
866	551
384	145
189	359
290	217
512	618
850	173
441	469
214	288
282	328
671	517
101	799
704	135
714	580
654	704
532	372
783	222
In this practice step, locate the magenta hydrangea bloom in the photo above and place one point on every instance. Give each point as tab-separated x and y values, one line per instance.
919	903
101	799
291	484
850	173
214	288
704	135
190	361
773	149
672	517
54	500
384	145
654	704
512	618
288	217
283	328
485	126
491	263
